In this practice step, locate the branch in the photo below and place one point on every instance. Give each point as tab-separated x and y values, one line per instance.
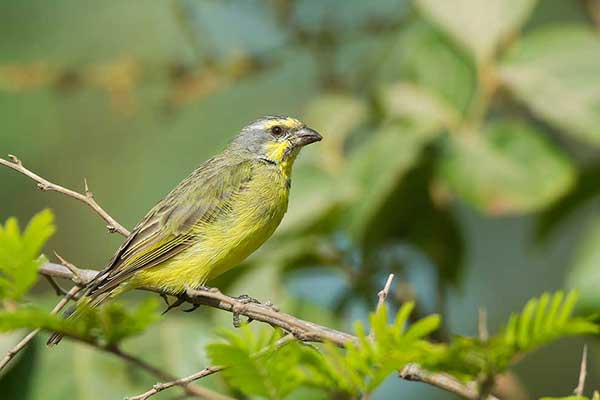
86	198
302	330
191	390
582	373
159	387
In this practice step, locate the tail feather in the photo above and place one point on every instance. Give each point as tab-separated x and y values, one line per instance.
73	311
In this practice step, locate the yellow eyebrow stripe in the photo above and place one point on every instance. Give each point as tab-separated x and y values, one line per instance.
289	123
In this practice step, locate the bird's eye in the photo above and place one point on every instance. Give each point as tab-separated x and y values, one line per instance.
276	130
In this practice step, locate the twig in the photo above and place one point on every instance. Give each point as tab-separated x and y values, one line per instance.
482	328
582	373
59	290
383	293
191	390
87	198
413	372
77	278
302	330
25	341
159	387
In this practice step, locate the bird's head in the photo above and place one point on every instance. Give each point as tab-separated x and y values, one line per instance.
275	139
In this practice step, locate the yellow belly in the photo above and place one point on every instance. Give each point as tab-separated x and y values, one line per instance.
224	244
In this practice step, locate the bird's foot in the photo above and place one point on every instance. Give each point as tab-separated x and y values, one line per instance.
243	300
179	301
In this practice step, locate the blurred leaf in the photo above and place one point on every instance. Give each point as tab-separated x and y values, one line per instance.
418	106
585	188
410	215
175	345
585	274
478	25
565	398
432	62
508	168
315	199
555	73
336	115
111	323
379	166
20	253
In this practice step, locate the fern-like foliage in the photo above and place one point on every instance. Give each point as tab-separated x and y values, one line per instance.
20	253
596	396
390	346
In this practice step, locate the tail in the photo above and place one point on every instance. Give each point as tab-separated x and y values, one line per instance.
74	311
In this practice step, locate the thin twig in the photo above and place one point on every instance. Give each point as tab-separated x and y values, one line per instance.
25	341
383	293
87	198
77	278
482	328
582	373
191	390
413	372
159	387
59	290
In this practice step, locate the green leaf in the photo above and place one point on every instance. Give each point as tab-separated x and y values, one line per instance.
585	188
565	398
584	274
517	169
337	114
109	324
410	215
396	148
20	253
538	325
555	73
255	366
419	106
434	64
479	26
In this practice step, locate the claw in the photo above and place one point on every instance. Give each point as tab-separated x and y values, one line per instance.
165	298
193	308
175	304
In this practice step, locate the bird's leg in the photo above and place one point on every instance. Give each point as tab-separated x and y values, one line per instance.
195	306
175	304
165	298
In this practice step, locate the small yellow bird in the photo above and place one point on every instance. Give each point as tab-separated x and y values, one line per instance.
213	219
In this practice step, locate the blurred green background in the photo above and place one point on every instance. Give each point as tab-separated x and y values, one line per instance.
461	152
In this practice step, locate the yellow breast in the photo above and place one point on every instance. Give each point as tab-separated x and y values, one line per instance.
224	244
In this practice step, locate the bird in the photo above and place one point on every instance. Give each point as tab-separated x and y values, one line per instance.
212	220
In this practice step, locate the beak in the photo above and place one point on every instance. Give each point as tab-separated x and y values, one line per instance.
307	136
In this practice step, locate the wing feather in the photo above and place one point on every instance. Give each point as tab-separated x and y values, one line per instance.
173	224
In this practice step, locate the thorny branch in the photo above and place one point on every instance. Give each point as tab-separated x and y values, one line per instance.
302	330
87	198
